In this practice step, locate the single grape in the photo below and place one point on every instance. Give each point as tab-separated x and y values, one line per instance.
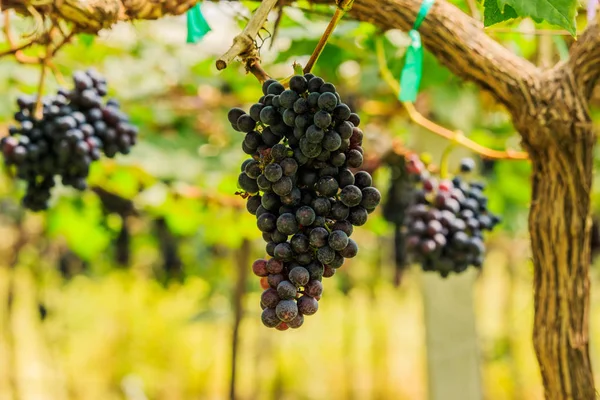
275	88
296	322
266	222
299	276
327	186
327	101
270	318
286	290
259	267
269	298
325	254
351	196
283	251
300	243
338	240
305	215
318	237
273	172
286	223
306	305
313	288
322	119
287	310
299	84
274	266
283	186
351	250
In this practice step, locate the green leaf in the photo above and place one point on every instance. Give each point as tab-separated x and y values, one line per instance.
87	39
556	12
492	14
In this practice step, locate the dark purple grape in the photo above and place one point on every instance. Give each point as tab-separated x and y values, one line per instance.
313	288
351	250
300	243
314	134
274	266
343	226
354	158
307	305
287	98
305	215
247	184
269	318
318	237
351	196
286	290
299	84
339	211
322	120
273	172
286	223
287	310
338	240
252	204
266	222
314	85
354	119
328	87
327	101
283	186
269	298
299	276
325	254
275	88
284	252
315	270
289	167
327	186
341	112
274	280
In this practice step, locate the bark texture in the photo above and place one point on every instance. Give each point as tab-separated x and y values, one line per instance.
560	141
550	110
94	15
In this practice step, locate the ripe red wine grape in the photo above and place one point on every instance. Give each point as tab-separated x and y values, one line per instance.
302	142
76	127
445	225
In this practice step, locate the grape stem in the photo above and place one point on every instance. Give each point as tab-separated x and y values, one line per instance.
343	6
444	174
38	111
244	45
456	137
253	66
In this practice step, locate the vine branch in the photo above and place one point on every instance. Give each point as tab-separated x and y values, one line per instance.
474	10
456	137
584	59
342	7
244	44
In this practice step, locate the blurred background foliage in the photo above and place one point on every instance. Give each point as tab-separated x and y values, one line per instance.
127	291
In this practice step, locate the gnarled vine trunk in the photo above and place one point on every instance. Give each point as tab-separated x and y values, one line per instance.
558	134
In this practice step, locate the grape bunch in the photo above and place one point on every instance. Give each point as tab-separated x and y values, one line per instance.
76	127
446	222
302	142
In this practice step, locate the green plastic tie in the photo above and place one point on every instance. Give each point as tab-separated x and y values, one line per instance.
197	27
410	79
